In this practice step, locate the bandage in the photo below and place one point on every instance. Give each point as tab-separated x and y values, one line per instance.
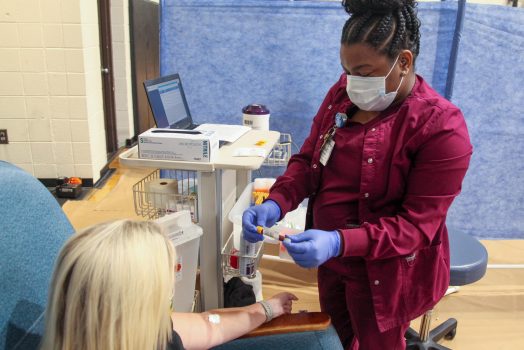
213	318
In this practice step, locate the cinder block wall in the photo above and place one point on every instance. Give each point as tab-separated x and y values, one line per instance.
50	87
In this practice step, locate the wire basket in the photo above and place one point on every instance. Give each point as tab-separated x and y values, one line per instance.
153	204
281	152
231	260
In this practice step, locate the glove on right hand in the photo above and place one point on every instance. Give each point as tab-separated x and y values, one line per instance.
265	214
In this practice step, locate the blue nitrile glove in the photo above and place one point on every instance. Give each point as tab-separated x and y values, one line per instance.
313	247
265	214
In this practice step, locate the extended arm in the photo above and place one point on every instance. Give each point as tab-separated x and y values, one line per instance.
290	188
211	328
295	184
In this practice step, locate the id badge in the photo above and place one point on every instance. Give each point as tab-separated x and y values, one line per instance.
325	153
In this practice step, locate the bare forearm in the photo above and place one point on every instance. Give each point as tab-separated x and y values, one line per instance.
214	327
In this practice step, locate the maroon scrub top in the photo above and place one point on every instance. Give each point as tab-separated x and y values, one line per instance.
387	188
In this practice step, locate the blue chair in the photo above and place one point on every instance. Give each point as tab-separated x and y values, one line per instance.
34	228
469	260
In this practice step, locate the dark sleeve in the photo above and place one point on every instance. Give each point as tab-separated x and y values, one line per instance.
434	181
295	184
175	343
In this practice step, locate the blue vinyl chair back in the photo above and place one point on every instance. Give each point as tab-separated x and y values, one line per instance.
34	228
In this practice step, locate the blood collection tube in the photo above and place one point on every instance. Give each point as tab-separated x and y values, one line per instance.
271	232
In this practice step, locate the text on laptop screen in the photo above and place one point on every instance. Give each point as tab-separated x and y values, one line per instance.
167	103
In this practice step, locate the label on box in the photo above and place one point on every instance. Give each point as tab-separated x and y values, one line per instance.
173	144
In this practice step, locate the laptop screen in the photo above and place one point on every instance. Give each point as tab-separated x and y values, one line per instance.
168	103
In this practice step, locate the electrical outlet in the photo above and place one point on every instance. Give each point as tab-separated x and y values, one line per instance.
3	136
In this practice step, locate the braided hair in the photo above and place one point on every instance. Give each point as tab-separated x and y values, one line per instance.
387	25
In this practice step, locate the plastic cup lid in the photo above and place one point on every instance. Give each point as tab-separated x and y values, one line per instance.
255	109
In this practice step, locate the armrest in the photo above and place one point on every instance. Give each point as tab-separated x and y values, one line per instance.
299	322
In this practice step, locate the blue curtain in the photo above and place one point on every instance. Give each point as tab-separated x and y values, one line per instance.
285	54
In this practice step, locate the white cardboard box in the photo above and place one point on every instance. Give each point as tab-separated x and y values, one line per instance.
178	144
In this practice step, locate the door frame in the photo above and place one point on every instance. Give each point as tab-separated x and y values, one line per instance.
106	71
144	19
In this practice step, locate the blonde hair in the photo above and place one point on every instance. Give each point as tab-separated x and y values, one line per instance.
111	289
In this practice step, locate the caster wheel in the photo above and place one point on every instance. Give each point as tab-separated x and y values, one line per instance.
451	334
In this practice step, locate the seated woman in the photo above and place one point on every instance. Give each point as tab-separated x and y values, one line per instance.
112	288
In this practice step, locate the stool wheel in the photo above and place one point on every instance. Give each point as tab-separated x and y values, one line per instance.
451	334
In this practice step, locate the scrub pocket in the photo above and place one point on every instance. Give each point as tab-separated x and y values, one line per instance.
421	278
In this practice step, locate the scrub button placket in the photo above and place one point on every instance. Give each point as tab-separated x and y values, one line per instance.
377	282
370	160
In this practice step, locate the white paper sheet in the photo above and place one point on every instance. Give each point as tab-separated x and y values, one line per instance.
225	132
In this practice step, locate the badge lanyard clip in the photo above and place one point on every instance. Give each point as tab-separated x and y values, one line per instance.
329	143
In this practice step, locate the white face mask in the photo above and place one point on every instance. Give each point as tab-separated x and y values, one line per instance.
369	93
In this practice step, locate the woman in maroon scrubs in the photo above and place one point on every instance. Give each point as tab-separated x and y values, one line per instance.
384	160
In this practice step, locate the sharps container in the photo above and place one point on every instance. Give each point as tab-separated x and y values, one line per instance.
186	238
256	116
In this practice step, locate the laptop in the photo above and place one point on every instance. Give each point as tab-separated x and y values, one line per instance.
168	103
170	109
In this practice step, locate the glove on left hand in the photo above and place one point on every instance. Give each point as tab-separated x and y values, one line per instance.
313	247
